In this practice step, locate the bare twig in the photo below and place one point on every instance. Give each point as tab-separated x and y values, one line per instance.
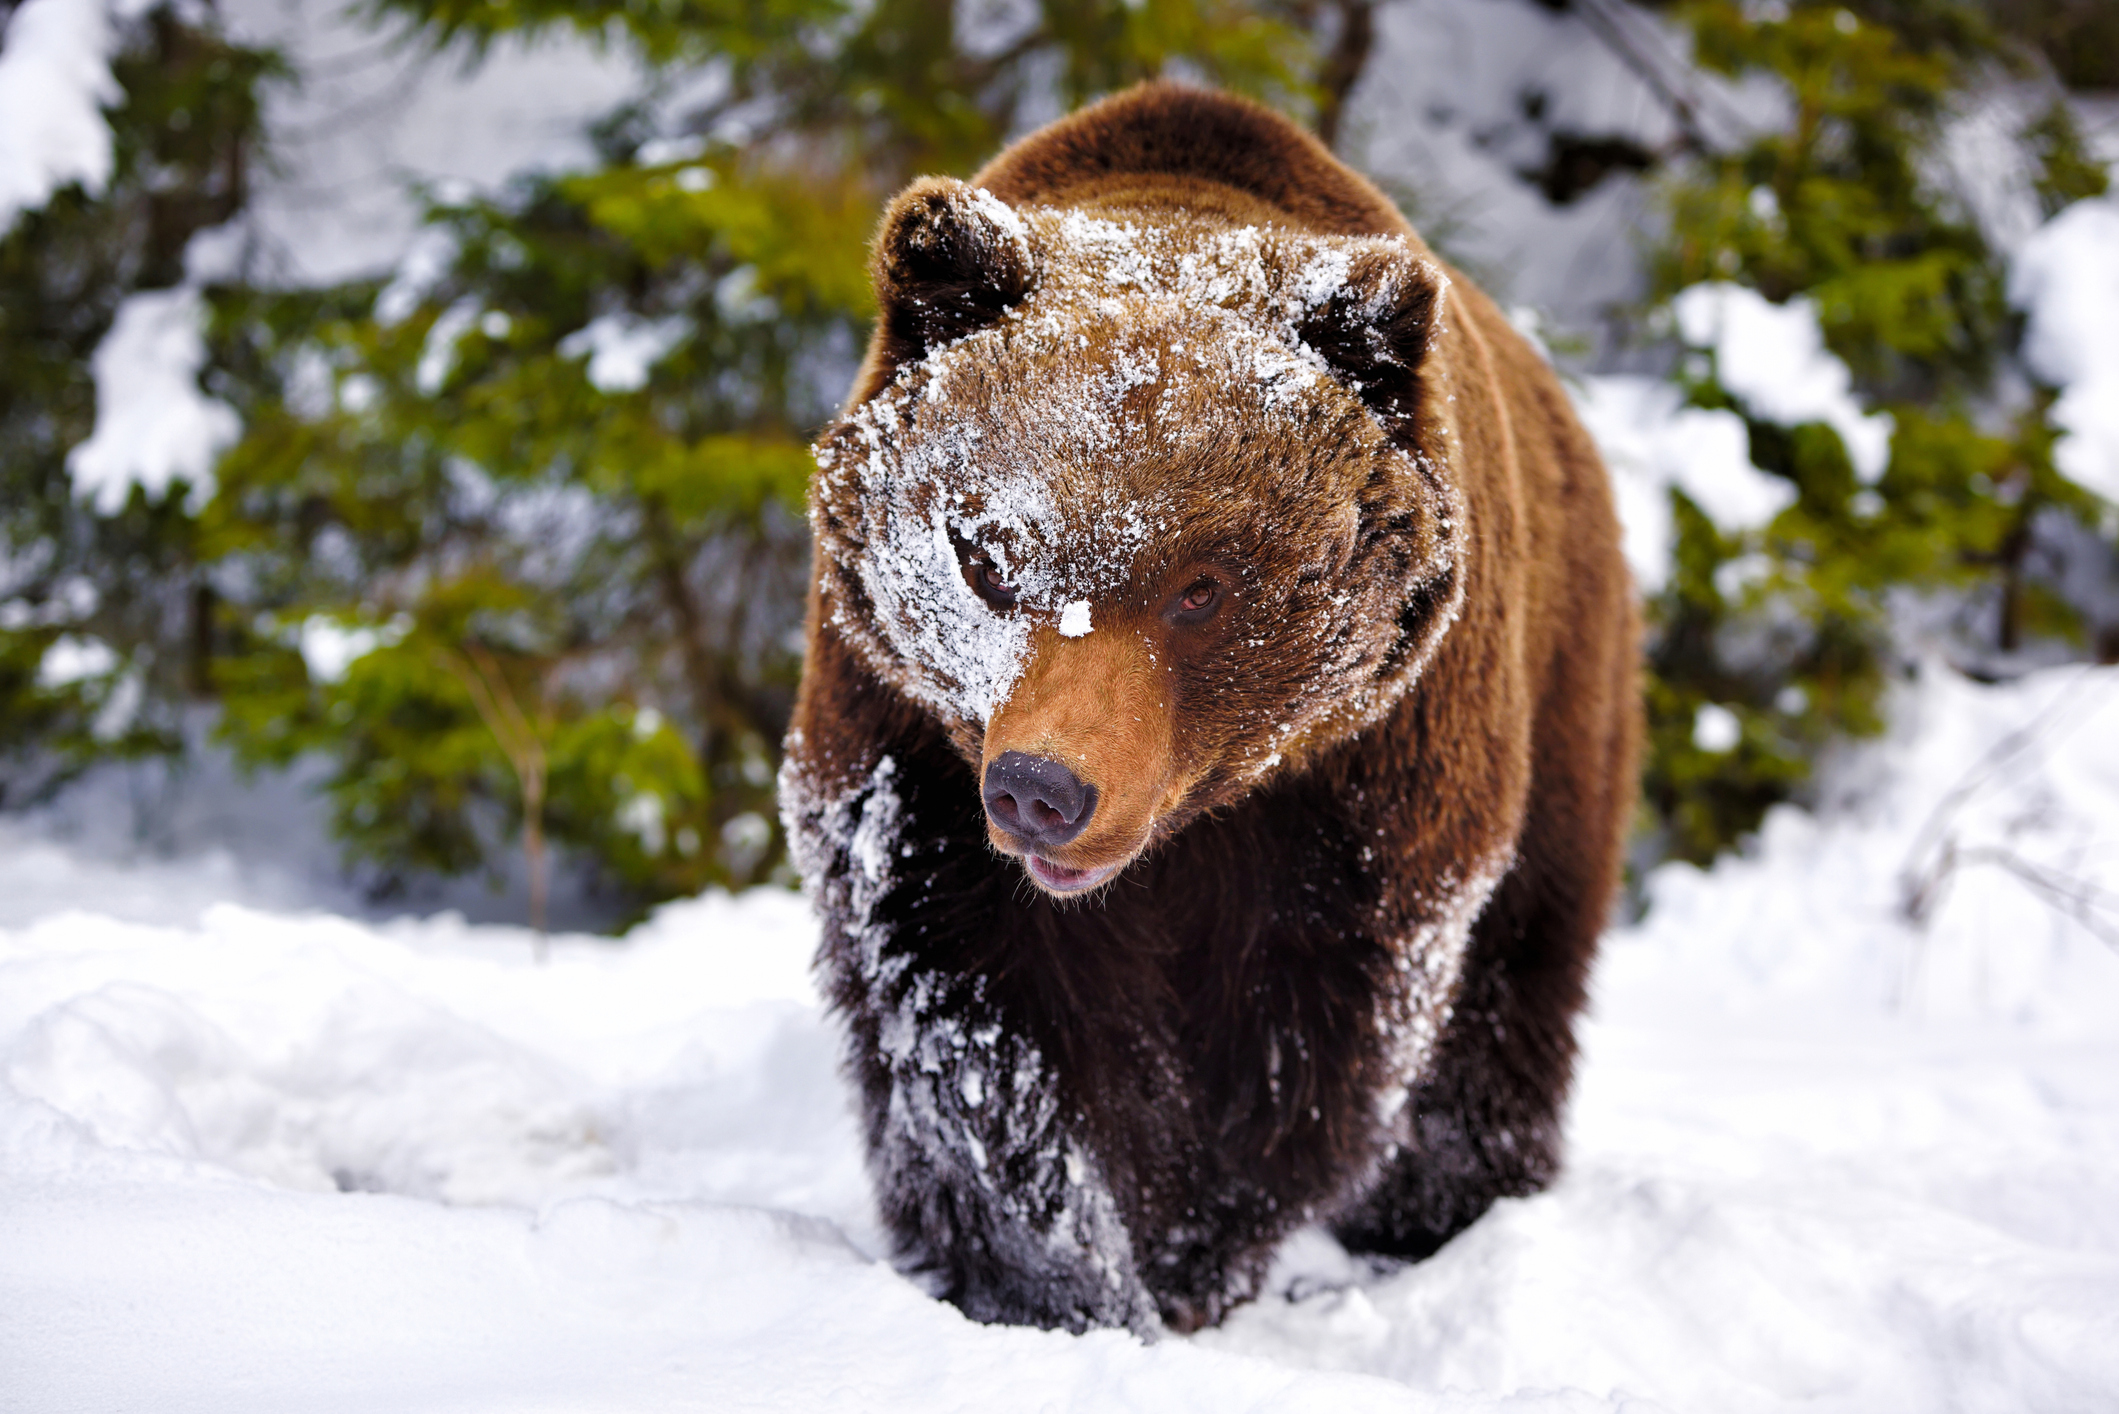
2004	755
1936	856
1607	23
2094	907
1674	81
523	745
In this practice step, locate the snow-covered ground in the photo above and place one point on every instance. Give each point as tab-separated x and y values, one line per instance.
289	1160
260	1149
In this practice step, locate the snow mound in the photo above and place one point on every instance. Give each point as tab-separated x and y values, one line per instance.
1821	1158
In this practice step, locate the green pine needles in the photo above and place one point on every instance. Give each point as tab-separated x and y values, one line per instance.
1797	629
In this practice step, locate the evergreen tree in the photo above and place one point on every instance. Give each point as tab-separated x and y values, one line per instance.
1792	630
108	620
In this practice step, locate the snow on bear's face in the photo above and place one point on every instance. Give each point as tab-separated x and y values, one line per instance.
1154	520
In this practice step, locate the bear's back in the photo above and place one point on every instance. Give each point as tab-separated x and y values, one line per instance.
1164	145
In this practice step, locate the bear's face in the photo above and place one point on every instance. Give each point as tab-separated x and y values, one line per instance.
1145	513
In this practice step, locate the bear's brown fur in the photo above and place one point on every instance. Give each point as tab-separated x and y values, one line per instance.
1258	576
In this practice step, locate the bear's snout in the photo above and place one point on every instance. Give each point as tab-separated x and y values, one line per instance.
1037	800
1079	760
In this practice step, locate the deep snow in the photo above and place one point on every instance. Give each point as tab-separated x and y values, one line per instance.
289	1160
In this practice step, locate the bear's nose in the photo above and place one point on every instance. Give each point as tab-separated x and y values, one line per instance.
1036	799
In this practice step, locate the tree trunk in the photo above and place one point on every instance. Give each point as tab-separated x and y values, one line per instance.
2015	549
715	698
202	605
533	849
1344	64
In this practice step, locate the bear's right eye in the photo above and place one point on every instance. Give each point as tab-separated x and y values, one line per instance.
986	581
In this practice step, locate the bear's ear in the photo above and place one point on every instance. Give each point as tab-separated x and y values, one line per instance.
1375	324
949	259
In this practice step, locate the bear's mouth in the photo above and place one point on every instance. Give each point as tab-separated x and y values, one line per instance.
1061	880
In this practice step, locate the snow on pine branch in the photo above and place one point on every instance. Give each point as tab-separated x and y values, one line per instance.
1652	442
2066	280
153	424
1772	358
55	81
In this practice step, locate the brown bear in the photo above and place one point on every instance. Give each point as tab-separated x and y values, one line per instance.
1217	735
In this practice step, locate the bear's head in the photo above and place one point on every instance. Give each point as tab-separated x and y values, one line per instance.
1142	510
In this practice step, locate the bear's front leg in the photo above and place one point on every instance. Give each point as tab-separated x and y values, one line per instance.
983	1171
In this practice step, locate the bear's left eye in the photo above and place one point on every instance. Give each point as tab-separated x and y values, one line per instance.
986	582
1199	601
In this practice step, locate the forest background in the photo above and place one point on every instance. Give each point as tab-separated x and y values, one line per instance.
499	540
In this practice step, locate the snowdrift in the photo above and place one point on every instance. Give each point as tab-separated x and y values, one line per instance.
1821	1158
